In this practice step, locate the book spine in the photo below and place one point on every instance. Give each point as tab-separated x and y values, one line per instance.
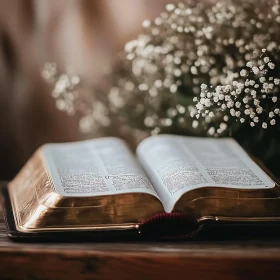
169	226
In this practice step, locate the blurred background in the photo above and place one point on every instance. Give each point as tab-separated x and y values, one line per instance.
82	33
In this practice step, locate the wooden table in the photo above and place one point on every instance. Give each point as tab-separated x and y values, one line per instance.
243	259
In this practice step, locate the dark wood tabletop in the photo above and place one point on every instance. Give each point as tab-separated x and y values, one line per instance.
204	259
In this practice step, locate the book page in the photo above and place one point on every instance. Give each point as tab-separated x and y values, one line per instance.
177	164
96	167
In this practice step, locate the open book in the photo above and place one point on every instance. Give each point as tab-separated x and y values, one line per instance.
173	184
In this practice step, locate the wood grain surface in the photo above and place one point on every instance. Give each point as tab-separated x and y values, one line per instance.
216	259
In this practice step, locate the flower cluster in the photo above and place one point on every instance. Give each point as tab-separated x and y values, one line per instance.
74	97
65	87
190	45
253	99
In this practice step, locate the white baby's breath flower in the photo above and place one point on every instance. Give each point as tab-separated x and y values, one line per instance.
256	70
271	65
243	73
